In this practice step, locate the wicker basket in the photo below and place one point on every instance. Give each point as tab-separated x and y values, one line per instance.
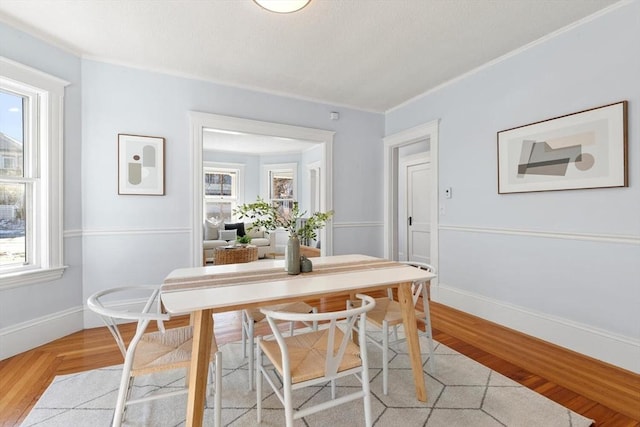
235	255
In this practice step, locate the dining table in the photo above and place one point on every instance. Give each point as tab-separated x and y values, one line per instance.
203	291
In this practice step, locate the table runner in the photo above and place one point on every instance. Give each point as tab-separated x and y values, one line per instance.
271	274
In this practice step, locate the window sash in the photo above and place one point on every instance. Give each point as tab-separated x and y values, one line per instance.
27	178
18	217
220	209
214	179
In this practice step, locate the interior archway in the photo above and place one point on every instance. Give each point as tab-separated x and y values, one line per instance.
200	121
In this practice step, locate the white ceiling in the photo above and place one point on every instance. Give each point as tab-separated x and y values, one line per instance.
368	54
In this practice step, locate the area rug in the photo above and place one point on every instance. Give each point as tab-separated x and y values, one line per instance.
461	392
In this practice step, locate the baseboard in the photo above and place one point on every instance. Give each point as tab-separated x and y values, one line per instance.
616	350
25	336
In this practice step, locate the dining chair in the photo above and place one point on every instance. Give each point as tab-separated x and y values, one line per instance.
253	317
149	352
315	357
387	316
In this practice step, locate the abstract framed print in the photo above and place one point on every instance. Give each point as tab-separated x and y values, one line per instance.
587	149
140	165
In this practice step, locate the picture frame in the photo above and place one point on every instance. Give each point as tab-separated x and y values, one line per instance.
140	165
587	149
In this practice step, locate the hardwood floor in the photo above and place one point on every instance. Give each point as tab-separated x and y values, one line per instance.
23	378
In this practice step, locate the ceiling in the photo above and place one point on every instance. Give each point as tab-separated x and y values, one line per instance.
244	143
369	54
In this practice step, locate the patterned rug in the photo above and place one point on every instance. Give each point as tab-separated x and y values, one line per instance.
461	392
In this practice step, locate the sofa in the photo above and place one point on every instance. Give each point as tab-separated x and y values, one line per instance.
218	233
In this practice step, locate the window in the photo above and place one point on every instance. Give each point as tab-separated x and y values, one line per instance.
281	186
9	163
222	191
30	175
219	183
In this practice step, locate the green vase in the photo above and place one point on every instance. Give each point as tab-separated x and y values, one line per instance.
292	260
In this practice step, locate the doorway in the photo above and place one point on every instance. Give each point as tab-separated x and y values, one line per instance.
392	154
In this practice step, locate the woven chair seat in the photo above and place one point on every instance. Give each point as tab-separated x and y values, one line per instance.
159	351
390	311
250	317
290	307
307	354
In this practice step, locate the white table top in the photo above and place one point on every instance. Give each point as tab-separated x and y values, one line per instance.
236	296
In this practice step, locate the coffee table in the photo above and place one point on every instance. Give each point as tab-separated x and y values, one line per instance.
235	255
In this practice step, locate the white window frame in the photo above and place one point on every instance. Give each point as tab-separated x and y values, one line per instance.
237	186
267	185
44	139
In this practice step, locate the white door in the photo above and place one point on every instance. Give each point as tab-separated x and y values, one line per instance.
419	212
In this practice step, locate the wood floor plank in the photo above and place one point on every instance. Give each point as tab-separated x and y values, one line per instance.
22	381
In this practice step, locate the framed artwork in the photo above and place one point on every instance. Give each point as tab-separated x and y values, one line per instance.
587	149
140	165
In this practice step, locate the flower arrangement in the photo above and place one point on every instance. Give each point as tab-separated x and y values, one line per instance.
263	214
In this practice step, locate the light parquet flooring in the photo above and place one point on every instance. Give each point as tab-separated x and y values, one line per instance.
24	377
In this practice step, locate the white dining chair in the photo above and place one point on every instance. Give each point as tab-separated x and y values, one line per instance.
387	317
314	358
253	317
149	352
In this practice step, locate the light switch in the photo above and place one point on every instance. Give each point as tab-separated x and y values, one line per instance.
447	193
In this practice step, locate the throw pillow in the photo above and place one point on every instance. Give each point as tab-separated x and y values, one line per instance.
211	227
237	226
228	235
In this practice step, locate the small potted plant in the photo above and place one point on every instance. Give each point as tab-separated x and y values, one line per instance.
243	240
263	214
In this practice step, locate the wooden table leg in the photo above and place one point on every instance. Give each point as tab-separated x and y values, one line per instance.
199	370
354	302
413	345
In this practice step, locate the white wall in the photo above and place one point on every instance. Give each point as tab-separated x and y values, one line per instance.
52	307
565	265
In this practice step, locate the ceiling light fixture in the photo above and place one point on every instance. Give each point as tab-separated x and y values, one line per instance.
282	6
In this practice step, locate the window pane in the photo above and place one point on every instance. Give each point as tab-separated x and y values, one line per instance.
218	184
12	224
220	211
11	134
